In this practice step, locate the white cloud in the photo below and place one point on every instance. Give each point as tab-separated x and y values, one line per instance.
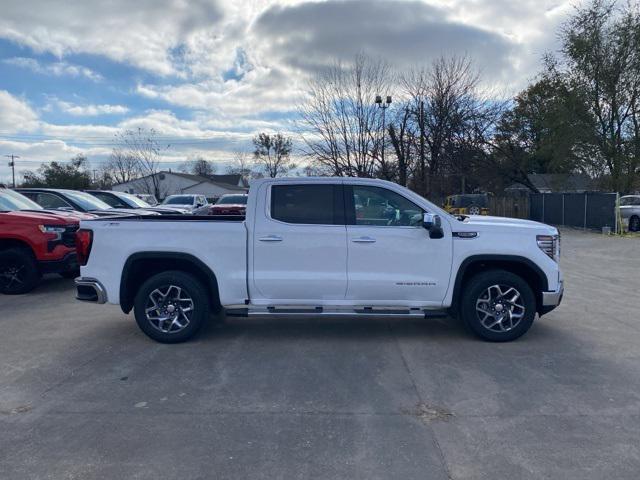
57	69
142	33
90	110
17	115
236	67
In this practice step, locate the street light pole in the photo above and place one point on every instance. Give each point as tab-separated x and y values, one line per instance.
12	164
384	107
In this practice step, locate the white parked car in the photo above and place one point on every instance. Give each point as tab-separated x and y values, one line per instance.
630	212
304	249
196	204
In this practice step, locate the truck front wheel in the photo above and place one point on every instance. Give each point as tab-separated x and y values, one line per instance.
18	271
171	307
498	306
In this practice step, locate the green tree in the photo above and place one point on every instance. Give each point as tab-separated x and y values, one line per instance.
601	62
73	175
272	153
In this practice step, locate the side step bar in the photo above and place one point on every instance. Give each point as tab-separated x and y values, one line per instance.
292	311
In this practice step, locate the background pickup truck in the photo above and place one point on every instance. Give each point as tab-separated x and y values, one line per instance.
325	246
34	241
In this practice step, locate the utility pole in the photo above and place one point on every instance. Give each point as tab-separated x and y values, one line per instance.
12	164
384	107
422	162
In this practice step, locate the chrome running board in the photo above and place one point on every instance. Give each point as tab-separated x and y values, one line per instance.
302	311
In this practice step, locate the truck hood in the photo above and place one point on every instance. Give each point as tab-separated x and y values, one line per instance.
482	222
44	217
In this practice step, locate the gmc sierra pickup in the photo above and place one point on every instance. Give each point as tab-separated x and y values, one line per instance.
321	247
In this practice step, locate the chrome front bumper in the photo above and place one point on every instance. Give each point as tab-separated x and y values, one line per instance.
550	300
90	290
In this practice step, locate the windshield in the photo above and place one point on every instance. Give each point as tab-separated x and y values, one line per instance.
86	201
178	200
11	201
132	199
625	201
232	199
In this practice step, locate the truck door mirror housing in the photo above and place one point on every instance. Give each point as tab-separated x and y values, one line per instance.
433	224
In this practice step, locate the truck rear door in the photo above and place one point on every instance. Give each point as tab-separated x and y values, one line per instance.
299	244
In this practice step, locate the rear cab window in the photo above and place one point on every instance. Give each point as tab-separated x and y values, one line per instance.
307	204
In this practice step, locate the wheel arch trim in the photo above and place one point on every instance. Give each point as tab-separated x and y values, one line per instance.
127	295
496	258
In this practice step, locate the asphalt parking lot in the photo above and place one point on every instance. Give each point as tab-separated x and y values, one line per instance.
84	394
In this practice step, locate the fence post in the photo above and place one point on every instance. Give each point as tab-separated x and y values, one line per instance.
615	214
585	210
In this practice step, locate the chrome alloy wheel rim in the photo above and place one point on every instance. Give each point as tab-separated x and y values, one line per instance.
474	210
169	309
500	308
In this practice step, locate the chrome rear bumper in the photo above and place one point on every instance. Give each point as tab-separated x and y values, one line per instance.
90	290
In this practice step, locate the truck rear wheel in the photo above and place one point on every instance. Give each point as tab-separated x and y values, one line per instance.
498	306
18	271
171	307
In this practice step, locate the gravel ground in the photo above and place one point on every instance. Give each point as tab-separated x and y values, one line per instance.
84	394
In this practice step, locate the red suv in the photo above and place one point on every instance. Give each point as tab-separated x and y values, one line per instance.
34	241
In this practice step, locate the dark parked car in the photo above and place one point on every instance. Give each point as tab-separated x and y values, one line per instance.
127	200
73	200
232	204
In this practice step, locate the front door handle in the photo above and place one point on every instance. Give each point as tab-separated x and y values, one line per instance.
364	240
271	238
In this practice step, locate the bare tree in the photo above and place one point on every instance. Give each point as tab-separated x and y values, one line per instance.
447	103
273	152
241	165
143	147
402	133
342	123
122	166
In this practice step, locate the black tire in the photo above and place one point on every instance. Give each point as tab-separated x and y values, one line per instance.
478	292
634	224
70	274
161	283
19	271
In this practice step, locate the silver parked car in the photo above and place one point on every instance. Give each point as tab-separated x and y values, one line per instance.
194	204
630	212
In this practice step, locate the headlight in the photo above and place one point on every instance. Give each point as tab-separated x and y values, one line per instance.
54	231
550	244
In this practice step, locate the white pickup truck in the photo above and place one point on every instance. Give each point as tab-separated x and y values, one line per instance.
322	247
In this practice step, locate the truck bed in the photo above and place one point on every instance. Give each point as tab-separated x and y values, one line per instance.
220	242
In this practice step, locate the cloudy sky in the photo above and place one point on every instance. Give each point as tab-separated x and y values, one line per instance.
208	74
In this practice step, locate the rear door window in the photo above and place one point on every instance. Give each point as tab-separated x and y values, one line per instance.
310	204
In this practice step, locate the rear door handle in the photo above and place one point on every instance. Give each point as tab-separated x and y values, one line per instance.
364	240
271	238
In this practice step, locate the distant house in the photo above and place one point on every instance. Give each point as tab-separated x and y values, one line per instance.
555	182
171	183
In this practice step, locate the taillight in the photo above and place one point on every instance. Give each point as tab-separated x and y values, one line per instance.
84	239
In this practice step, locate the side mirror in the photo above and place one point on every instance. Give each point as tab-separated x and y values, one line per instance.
433	224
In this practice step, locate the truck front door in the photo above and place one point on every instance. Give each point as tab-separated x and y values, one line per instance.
391	259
